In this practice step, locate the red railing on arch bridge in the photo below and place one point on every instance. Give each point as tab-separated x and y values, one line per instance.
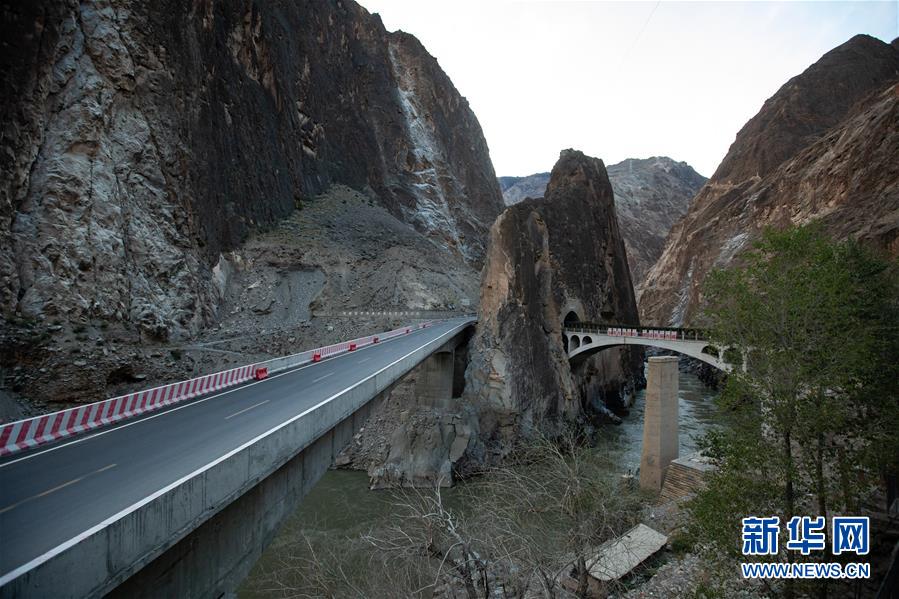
619	330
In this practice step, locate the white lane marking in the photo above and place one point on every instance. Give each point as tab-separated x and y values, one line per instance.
13	574
364	360
188	404
245	410
321	378
56	488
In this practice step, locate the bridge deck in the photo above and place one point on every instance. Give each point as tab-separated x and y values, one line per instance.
50	495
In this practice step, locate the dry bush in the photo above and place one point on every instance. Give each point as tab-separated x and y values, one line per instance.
516	531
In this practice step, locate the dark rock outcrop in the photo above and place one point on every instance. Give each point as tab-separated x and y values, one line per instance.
651	194
549	260
823	148
142	142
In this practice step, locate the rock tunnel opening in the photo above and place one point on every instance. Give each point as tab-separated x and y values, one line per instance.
571	318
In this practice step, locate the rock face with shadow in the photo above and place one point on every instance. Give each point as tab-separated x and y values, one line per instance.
142	142
823	148
651	194
549	260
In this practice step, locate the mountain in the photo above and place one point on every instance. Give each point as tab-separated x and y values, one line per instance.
650	196
822	148
516	189
144	144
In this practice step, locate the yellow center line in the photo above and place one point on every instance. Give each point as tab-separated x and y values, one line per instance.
56	488
246	409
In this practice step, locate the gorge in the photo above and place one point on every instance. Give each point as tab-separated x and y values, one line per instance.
194	187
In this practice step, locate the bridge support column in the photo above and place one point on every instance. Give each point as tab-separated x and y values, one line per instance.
434	380
660	418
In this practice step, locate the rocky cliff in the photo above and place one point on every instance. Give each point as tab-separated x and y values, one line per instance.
142	142
650	196
549	260
823	147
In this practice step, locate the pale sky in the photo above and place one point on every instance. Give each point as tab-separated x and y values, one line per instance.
624	79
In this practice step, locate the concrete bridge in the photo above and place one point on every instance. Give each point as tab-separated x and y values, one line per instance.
584	338
660	415
180	502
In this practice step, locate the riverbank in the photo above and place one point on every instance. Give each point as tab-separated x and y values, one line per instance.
329	540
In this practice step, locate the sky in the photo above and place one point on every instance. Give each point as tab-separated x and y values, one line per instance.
624	79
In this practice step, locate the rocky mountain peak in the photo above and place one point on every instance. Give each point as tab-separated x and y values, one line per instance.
807	105
651	194
822	148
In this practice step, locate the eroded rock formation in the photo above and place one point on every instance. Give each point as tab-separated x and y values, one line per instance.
650	196
823	147
143	141
551	259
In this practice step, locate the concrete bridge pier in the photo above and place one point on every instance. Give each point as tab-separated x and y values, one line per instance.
434	379
660	418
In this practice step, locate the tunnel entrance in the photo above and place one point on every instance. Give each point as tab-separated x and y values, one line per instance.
571	318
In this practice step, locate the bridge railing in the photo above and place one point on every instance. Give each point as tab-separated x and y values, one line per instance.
616	330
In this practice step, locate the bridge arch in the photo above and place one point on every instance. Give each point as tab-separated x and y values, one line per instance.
583	339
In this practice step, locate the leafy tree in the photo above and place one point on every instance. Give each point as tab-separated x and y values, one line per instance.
815	409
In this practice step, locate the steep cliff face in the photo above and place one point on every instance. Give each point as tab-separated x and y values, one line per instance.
650	196
147	138
823	147
549	260
446	185
143	141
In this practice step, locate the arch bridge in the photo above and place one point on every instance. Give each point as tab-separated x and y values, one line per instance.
585	338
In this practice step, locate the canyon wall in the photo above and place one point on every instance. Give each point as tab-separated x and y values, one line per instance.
822	148
142	142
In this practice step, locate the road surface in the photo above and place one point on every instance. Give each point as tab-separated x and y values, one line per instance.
53	493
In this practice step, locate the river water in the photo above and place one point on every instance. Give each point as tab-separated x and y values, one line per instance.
341	506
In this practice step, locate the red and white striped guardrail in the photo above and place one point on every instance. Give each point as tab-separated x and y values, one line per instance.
23	434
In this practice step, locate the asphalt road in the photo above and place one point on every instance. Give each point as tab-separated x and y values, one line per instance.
53	493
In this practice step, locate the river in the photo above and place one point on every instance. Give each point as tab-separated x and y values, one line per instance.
341	508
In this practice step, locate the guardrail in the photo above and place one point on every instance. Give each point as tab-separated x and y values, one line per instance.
31	432
667	333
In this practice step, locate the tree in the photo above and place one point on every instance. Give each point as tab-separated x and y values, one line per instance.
815	412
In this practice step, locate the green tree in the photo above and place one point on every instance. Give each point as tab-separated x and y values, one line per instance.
815	409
